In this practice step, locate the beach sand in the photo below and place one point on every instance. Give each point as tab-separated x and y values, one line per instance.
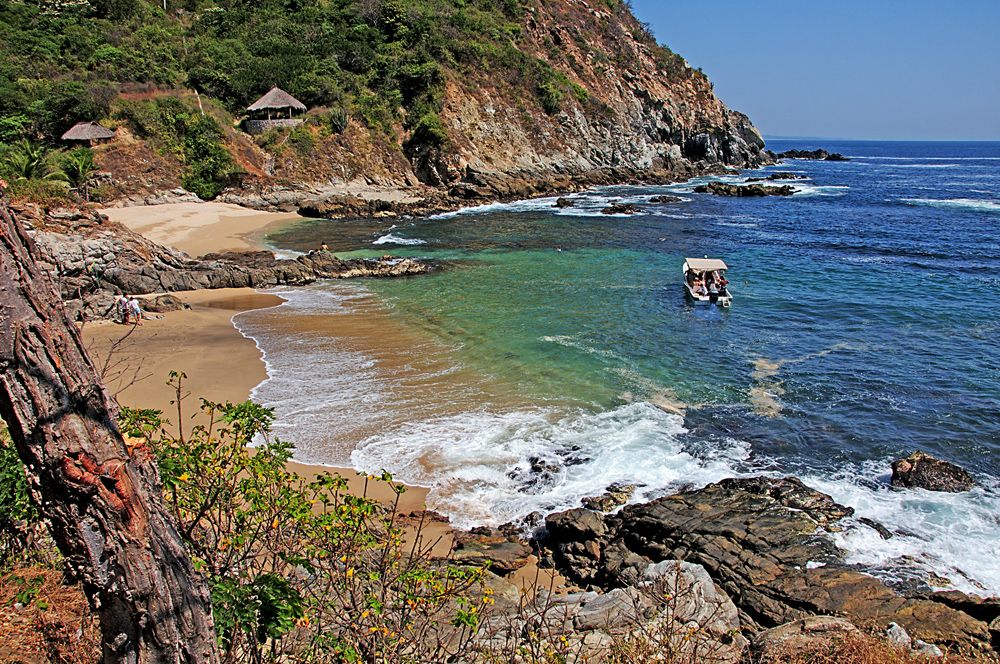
220	365
200	228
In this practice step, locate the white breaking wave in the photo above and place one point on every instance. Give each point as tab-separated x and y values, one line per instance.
585	204
489	468
806	191
945	534
286	254
975	204
396	239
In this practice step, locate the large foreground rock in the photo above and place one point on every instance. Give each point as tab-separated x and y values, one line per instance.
765	543
920	470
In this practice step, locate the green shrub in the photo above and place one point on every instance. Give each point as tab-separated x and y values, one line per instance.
196	139
302	140
299	569
17	514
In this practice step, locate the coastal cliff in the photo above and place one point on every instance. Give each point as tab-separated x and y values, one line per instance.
407	101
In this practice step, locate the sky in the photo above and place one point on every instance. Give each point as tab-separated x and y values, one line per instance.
861	69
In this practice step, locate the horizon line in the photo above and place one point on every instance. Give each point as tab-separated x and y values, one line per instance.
775	137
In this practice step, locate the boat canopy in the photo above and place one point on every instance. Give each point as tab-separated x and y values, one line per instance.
706	264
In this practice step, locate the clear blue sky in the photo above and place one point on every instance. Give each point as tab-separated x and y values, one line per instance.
871	69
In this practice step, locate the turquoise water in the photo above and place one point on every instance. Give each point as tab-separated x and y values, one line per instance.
864	326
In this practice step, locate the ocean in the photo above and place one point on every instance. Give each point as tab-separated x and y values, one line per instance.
556	354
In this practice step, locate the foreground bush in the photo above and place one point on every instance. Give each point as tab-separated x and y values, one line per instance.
301	569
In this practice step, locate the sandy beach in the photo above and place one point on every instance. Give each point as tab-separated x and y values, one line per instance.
200	228
220	365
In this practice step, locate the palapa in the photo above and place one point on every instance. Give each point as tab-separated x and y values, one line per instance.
274	99
87	131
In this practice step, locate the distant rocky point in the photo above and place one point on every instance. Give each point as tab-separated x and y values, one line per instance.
818	155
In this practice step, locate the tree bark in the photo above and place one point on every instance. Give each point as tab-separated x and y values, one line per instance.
103	503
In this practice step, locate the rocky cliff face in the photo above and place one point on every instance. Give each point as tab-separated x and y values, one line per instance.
636	106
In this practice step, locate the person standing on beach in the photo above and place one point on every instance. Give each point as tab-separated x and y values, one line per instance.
122	308
135	311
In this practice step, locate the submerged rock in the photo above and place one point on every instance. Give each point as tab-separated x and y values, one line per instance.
747	190
665	199
921	470
563	202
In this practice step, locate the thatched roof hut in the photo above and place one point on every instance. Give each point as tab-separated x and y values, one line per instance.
88	131
276	98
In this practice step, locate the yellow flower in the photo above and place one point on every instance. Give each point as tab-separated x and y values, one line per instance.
183	478
350	572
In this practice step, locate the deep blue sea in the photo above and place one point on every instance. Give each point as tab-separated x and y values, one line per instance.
556	353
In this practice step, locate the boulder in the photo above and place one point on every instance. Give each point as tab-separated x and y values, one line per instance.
563	202
665	199
163	303
502	557
920	470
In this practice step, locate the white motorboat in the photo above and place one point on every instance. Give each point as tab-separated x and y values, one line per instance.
705	281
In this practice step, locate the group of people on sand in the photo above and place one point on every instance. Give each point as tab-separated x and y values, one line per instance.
128	310
707	283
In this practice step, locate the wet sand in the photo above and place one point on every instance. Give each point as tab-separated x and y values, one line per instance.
200	228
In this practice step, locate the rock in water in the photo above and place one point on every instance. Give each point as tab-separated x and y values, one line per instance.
749	190
563	202
820	155
920	470
621	208
665	199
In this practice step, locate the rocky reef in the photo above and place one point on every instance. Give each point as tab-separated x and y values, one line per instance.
744	190
93	259
765	543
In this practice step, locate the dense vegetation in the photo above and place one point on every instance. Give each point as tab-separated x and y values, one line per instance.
62	61
382	62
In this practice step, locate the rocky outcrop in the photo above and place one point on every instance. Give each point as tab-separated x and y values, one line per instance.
764	542
920	470
675	607
819	155
665	199
748	190
93	259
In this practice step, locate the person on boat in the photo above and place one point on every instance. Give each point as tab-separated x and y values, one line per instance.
699	286
721	280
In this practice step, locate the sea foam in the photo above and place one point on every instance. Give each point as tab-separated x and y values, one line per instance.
970	204
391	238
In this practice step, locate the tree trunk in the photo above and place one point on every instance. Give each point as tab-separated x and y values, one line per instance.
104	504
